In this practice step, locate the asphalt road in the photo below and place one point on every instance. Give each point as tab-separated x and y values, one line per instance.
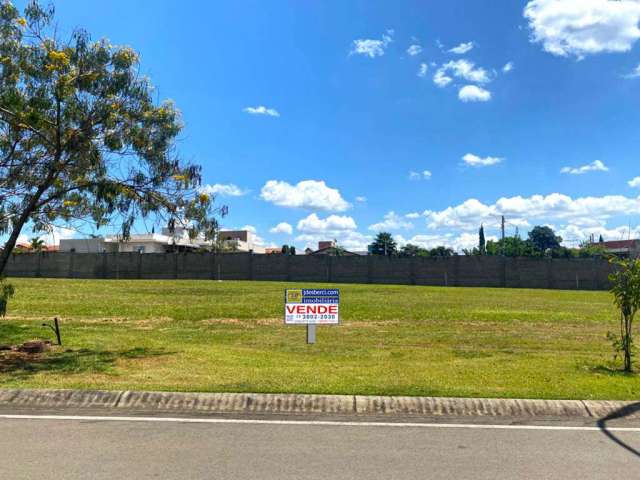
71	448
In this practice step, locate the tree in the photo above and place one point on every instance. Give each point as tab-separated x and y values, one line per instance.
285	249
81	138
544	238
481	240
384	244
600	240
626	293
441	251
36	244
292	250
410	250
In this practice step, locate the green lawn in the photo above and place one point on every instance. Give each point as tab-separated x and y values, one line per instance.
394	340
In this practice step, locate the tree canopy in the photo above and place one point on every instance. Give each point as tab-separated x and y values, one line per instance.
383	244
81	137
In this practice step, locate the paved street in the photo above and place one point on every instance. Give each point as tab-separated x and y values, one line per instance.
97	449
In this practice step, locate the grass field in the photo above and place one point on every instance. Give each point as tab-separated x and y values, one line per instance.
394	340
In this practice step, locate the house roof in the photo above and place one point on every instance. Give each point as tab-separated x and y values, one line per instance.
620	244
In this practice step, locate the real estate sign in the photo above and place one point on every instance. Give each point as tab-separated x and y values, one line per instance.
312	306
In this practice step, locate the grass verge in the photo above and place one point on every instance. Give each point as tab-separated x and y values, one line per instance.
394	340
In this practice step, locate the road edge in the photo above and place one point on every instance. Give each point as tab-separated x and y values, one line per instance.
291	403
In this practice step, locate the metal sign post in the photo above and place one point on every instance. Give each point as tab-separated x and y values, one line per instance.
311	333
311	307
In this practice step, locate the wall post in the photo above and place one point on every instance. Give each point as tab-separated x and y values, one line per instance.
71	262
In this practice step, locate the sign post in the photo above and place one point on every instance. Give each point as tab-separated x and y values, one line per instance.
311	307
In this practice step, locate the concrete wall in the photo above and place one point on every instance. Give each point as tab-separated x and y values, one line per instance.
582	274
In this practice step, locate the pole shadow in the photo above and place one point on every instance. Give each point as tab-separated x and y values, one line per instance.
617	414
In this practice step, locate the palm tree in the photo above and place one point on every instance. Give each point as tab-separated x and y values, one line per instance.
36	244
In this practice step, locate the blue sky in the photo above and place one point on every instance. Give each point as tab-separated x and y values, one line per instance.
331	95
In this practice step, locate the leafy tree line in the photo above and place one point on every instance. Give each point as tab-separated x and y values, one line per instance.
385	245
541	241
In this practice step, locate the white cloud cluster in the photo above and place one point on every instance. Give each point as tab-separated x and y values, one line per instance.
341	228
463	69
473	93
583	27
457	242
462	48
522	211
634	182
331	224
422	70
595	166
391	221
507	67
372	48
361	199
311	194
424	175
224	190
282	227
635	73
414	50
262	110
475	161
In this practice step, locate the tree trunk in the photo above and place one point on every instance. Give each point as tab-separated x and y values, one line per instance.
17	226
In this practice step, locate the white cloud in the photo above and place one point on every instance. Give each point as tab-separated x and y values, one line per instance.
424	175
361	199
414	50
476	161
372	48
262	110
282	227
458	243
522	211
422	70
635	73
351	240
413	215
473	93
392	221
331	224
583	27
466	70
634	182
507	67
441	79
58	233
595	166
224	190
311	194
462	48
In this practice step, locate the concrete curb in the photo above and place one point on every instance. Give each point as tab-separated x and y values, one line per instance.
312	404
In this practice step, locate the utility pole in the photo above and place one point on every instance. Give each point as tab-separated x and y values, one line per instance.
502	232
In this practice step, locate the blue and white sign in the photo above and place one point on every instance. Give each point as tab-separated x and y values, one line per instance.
312	306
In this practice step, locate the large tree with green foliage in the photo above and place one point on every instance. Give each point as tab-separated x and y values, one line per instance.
544	238
383	244
81	137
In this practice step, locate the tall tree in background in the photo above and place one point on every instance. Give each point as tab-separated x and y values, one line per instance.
384	244
81	138
481	240
544	238
36	244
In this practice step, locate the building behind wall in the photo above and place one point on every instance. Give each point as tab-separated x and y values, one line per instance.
168	241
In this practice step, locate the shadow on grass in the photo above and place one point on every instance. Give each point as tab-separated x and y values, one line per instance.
611	371
20	366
